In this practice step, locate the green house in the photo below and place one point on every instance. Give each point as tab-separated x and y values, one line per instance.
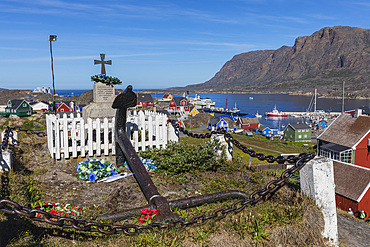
18	107
299	132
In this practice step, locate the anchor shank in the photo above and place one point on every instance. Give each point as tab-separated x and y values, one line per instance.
127	153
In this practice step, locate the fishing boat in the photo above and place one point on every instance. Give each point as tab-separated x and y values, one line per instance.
276	113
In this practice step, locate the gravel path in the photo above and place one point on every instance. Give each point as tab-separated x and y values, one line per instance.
353	233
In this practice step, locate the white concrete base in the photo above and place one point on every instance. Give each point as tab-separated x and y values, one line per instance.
227	144
317	181
6	160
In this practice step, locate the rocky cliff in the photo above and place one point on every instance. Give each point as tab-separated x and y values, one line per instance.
323	60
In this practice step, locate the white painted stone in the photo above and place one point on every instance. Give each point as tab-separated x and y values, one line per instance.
103	93
103	96
227	145
6	160
317	181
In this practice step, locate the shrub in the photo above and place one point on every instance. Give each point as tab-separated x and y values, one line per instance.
179	158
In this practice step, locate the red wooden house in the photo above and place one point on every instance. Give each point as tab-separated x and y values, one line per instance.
144	99
63	107
179	104
352	187
248	123
347	139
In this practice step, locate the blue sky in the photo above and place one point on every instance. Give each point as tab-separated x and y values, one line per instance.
152	44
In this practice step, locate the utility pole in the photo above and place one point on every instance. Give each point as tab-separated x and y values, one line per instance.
52	38
343	98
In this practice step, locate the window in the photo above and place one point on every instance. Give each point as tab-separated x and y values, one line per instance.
300	136
305	136
299	130
344	156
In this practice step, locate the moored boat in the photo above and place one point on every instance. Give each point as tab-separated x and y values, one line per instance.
276	113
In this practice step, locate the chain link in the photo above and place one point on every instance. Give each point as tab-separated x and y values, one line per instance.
11	207
8	133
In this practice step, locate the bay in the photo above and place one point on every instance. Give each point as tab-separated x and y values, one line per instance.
262	103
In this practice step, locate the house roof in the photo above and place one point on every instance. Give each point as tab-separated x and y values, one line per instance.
144	97
351	181
334	147
252	120
215	121
297	126
346	130
39	102
177	100
16	102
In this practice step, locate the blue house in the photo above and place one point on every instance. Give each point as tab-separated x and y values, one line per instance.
267	131
217	123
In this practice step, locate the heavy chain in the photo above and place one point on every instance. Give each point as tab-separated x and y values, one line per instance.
269	158
9	134
11	207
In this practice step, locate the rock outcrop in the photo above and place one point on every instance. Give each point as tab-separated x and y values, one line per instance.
323	60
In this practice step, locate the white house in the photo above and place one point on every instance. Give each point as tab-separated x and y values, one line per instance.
2	108
41	106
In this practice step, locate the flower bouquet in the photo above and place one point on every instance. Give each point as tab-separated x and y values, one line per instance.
92	170
63	210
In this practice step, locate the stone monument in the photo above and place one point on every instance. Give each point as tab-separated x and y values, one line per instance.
103	95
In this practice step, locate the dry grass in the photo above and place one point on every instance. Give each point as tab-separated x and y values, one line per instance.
285	218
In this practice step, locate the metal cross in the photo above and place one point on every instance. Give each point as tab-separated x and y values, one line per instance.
103	63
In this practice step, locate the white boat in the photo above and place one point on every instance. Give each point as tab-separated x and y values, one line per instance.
200	103
276	113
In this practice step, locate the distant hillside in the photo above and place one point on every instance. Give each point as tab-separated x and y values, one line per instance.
323	60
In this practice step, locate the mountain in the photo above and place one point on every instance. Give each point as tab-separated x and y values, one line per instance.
323	61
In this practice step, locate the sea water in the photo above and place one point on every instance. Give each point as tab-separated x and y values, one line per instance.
262	103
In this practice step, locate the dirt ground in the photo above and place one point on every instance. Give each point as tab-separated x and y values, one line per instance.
59	183
352	232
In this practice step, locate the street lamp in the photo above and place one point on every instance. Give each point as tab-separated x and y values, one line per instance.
52	38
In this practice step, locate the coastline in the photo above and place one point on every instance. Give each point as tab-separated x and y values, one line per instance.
327	96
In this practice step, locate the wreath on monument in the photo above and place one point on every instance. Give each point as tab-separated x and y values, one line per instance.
108	80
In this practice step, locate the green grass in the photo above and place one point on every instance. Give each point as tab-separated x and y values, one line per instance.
254	224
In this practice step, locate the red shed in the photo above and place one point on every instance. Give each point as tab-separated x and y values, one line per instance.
62	107
352	187
145	99
248	123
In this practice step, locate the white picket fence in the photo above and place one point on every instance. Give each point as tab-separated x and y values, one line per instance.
70	136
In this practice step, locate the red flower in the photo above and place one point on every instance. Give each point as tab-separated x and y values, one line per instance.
153	211
141	220
53	212
53	204
145	211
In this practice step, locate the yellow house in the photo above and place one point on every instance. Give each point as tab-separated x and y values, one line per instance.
167	97
194	112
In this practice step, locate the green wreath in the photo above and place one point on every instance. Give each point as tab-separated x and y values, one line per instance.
108	80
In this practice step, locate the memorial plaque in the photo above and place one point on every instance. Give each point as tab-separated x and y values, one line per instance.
103	93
